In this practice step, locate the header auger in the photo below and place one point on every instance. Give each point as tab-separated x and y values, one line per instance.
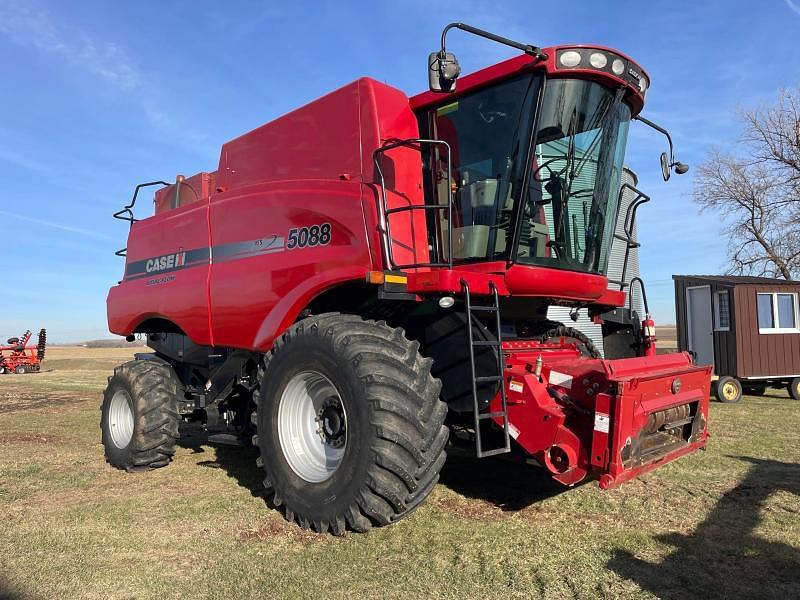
370	271
20	358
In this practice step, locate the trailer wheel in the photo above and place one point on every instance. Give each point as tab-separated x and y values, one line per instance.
20	370
794	388
139	416
728	389
350	426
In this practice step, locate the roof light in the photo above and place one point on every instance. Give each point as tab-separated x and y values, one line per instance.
617	67
643	83
570	58
598	60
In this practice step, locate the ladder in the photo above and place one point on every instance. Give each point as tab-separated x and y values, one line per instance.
495	344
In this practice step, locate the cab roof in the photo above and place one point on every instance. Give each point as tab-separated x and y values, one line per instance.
524	63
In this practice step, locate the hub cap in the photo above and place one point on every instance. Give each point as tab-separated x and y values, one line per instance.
312	426
120	419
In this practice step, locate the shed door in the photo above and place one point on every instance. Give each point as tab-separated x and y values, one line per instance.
699	324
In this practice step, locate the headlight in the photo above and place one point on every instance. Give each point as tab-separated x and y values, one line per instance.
598	60
570	58
605	61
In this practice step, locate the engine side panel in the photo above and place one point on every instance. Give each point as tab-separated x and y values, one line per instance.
277	246
166	274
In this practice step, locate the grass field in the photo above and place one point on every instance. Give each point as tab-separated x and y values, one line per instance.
720	523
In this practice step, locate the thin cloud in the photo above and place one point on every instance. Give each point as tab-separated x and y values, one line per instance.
68	228
20	160
30	24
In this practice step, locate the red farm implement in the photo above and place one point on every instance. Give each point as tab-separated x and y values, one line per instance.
366	275
19	357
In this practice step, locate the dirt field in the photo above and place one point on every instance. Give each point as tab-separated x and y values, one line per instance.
722	523
667	337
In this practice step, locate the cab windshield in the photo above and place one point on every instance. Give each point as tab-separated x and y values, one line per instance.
569	207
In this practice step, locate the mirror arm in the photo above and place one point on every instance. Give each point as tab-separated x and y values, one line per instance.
660	129
526	48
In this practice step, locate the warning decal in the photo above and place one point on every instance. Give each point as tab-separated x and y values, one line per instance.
601	422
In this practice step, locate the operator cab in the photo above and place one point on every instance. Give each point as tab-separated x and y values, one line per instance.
535	147
562	190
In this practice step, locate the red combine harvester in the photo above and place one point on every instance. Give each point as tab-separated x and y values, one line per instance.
18	357
368	276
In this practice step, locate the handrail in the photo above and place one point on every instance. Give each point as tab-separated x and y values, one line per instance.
126	213
384	212
627	227
644	295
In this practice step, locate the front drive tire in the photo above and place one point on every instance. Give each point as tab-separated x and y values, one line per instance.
350	425
139	416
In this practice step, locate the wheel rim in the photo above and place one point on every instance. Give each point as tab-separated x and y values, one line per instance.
120	419
729	391
312	426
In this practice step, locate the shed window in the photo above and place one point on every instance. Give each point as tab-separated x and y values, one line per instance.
722	311
777	313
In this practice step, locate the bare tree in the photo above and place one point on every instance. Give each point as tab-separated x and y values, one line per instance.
757	190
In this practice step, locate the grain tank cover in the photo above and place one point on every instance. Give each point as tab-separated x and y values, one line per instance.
330	138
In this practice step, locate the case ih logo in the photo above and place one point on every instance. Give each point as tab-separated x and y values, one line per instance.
168	261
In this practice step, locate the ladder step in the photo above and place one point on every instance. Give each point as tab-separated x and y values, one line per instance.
495	452
492	415
499	378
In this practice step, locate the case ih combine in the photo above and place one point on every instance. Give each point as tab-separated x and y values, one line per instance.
368	275
18	357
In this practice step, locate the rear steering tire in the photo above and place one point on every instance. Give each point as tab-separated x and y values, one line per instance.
350	425
139	416
728	389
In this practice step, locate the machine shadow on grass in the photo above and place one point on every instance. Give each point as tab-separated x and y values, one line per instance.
238	462
507	485
9	591
745	565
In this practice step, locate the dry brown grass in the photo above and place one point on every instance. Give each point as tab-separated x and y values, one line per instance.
723	523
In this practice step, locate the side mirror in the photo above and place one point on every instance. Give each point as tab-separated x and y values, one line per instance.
665	171
443	69
681	168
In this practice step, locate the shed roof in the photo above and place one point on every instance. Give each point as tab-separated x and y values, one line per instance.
738	279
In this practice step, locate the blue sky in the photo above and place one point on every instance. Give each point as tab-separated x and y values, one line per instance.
98	96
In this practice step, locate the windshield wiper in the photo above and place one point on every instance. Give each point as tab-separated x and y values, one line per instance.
592	224
598	124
